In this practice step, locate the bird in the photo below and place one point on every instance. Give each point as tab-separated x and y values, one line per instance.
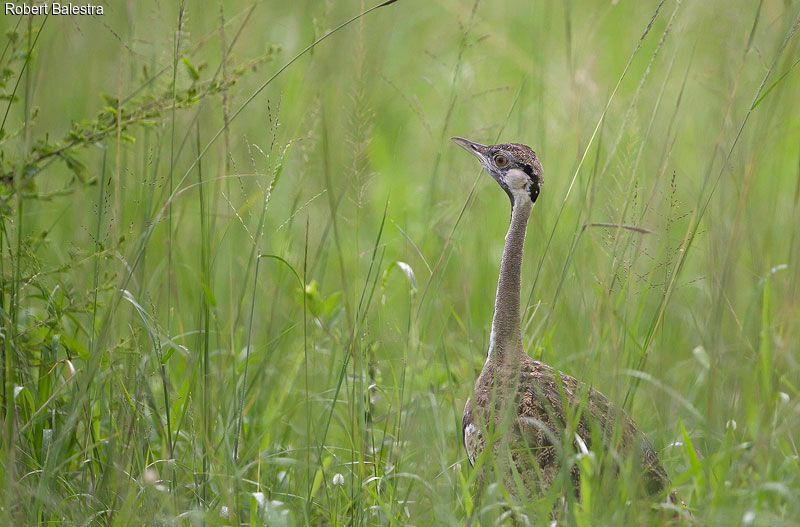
518	405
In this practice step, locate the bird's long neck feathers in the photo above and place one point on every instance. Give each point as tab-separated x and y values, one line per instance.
506	339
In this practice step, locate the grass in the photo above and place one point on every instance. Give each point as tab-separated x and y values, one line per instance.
248	279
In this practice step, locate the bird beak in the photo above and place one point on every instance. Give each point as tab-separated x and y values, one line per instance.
483	154
476	149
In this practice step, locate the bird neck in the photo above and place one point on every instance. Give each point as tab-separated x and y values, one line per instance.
506	337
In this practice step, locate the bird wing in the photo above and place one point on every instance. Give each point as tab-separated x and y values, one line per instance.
546	397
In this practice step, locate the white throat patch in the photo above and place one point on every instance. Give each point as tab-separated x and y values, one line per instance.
518	184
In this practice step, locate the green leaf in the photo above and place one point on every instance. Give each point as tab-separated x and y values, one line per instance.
168	354
191	70
77	168
691	454
332	302
210	298
110	100
75	347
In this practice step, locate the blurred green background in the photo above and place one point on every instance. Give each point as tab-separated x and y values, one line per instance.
156	370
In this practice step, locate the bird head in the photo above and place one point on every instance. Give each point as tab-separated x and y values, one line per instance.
515	167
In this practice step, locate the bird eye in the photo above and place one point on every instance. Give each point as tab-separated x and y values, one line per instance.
500	160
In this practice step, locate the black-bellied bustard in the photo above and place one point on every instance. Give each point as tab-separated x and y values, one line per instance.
530	397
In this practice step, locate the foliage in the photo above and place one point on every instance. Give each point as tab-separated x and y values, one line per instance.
234	293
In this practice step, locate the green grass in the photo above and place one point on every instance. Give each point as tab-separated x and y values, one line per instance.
230	296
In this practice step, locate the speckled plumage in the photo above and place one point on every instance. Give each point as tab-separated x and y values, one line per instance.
536	434
524	403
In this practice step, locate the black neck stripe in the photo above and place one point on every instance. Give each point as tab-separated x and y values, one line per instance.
534	188
527	169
